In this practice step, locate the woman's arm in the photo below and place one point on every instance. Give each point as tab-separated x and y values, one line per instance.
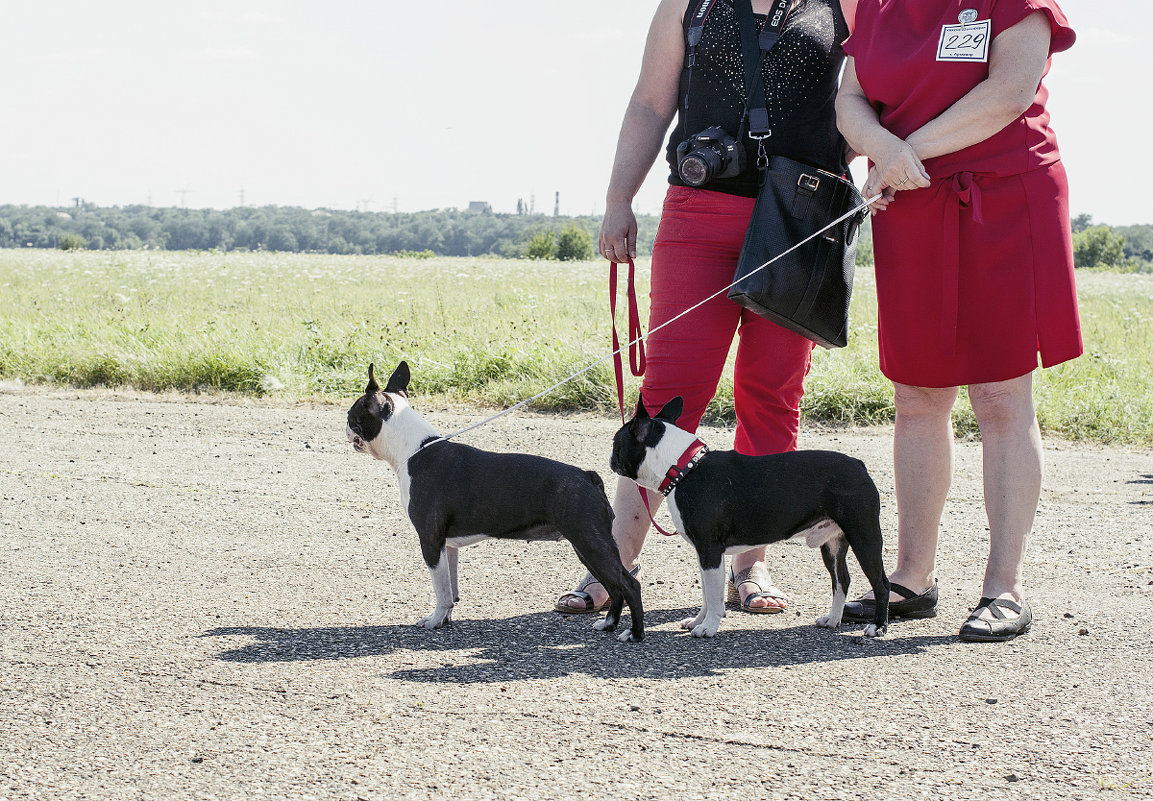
1016	63
896	165
849	9
650	110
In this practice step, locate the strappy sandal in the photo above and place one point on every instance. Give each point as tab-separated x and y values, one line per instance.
757	575
581	594
1001	627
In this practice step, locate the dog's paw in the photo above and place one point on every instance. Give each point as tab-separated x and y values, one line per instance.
605	624
692	622
873	630
436	620
627	636
706	629
829	621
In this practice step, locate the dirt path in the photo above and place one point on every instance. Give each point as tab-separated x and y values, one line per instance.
213	600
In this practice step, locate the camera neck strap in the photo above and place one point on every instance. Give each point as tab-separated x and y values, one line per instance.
693	38
754	48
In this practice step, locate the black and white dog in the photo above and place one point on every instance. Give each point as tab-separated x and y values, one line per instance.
724	502
456	495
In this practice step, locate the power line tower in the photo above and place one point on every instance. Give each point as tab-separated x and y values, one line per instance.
183	197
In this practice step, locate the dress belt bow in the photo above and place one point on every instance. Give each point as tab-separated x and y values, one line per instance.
965	194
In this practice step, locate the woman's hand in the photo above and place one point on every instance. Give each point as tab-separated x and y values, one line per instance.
898	167
874	186
618	235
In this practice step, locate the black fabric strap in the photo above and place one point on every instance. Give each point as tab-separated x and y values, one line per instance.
693	38
754	48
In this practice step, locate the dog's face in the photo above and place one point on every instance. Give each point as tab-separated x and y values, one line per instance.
373	410
639	438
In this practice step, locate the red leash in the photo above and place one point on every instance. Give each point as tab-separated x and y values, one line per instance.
637	362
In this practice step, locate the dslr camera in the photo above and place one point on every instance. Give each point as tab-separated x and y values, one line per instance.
710	154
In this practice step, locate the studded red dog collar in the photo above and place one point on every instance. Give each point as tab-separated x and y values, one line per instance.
687	462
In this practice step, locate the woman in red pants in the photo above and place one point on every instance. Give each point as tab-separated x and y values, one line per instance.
701	230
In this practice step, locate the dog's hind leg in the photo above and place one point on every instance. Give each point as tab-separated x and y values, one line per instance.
588	528
622	588
453	559
442	583
833	554
869	557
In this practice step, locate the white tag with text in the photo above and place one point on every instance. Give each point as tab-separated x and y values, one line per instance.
965	42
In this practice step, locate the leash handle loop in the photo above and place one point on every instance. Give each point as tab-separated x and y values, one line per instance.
637	363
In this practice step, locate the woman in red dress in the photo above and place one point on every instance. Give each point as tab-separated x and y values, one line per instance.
974	265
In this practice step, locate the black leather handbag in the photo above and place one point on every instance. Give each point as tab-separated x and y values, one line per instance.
787	271
808	288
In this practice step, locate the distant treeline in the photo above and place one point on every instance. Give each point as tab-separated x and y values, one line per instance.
442	232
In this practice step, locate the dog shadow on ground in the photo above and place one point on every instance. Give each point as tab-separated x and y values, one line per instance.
546	645
1144	479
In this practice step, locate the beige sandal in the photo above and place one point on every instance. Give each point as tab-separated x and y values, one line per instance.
584	597
758	576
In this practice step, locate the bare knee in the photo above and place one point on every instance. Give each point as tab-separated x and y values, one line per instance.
1003	405
923	402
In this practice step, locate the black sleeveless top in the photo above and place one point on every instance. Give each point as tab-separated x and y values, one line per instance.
800	73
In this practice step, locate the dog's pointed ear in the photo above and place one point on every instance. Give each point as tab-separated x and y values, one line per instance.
641	411
640	428
372	385
398	381
672	410
641	423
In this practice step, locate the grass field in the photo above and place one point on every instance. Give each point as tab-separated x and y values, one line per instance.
483	331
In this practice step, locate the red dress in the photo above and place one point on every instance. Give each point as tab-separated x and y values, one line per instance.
975	272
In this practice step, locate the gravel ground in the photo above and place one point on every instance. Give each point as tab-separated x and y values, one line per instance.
203	600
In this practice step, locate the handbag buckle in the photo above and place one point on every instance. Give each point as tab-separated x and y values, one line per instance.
808	183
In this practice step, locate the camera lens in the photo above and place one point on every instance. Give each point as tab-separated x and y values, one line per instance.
694	170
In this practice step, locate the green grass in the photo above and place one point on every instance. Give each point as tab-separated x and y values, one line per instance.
483	331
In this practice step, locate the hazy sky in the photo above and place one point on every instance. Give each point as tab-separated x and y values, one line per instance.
379	104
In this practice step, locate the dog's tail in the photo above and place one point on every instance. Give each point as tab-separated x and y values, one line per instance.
595	478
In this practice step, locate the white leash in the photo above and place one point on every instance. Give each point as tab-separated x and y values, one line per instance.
627	345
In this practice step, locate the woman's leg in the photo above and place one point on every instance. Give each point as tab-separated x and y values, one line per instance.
1012	461
769	376
694	256
923	470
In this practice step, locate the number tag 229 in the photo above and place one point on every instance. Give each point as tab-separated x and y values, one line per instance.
965	42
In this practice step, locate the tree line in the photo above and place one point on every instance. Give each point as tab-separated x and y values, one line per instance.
440	232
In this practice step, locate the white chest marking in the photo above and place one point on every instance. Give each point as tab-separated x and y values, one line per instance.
405	481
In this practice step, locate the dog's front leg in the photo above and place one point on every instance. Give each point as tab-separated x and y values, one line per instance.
442	583
708	620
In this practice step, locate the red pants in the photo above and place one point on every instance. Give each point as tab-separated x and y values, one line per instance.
694	256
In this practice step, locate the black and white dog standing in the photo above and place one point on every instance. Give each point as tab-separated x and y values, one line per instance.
724	502
456	495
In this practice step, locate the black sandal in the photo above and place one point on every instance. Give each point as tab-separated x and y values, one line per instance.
913	605
1001	628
